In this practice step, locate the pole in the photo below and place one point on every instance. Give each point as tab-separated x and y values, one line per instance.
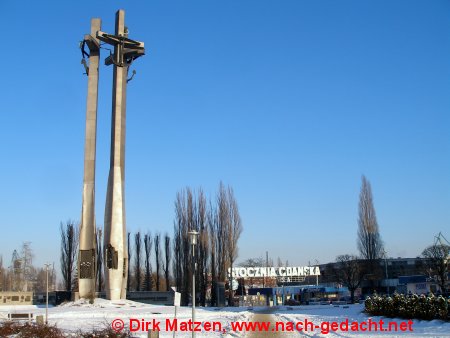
175	317
193	288
193	239
46	302
267	263
46	296
284	281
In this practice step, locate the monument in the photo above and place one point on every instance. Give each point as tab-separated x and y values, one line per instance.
115	245
87	255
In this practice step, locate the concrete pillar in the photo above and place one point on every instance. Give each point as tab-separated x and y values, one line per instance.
115	245
87	255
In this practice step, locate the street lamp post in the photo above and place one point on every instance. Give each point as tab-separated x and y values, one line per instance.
46	296
284	282
193	240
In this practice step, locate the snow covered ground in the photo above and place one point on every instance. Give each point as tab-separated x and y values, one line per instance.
81	315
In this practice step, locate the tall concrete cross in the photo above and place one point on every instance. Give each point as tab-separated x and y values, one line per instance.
115	244
87	255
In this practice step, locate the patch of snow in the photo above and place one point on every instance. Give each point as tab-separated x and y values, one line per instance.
82	315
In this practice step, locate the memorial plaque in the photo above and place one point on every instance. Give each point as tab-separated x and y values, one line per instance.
87	263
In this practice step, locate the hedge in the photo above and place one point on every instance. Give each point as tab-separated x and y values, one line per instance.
409	307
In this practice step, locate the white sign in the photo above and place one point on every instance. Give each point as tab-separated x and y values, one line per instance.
275	272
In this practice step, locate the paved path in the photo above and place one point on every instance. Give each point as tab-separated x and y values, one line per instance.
266	316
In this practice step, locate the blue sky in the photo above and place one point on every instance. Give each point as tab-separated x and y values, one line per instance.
289	102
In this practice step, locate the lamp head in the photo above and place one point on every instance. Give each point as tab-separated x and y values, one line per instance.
193	237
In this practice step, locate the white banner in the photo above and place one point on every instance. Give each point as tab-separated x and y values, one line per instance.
275	272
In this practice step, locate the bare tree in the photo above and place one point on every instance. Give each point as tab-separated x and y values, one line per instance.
438	256
370	244
234	232
225	228
2	275
41	280
253	263
129	260
222	237
137	260
212	226
349	271
178	268
69	250
53	278
186	219
157	259
202	254
167	258
189	225
181	246
219	228
148	267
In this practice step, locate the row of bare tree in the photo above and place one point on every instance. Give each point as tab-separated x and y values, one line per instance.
141	277
219	227
140	274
